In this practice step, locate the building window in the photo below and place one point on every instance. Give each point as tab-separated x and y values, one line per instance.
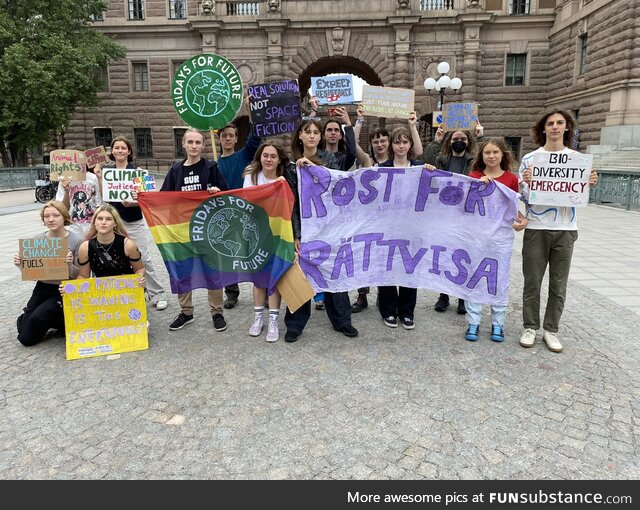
582	54
136	9
519	7
140	76
514	143
143	141
103	136
177	142
101	77
177	9
516	69
99	16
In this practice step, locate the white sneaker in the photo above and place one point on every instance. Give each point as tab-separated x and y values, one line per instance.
552	341
162	304
273	333
528	338
258	323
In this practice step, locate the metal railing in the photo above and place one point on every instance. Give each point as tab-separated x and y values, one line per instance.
19	177
617	187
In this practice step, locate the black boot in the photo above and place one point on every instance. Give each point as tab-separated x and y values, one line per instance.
461	308
360	304
442	304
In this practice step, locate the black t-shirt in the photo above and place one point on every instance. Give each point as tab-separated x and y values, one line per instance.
196	177
109	260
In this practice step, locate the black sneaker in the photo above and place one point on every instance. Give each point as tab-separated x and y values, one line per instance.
180	322
230	302
219	324
407	323
461	308
442	304
291	336
360	304
391	321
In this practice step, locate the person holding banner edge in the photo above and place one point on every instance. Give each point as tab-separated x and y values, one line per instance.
131	215
305	150
232	164
196	174
549	237
399	302
44	309
454	152
493	163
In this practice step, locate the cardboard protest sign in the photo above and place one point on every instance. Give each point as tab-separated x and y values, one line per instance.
207	91
117	183
336	89
67	163
353	235
294	288
104	316
560	178
275	107
388	102
44	258
96	156
457	116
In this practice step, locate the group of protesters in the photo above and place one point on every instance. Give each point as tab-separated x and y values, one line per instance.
113	238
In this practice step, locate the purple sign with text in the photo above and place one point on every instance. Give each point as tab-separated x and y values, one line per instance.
406	226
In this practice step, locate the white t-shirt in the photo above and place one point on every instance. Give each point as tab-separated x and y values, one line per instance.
261	180
84	198
547	217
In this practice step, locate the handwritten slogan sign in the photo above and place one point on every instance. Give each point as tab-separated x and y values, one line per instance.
457	116
96	156
144	183
353	235
275	107
389	102
44	259
117	184
104	316
560	178
336	89
67	163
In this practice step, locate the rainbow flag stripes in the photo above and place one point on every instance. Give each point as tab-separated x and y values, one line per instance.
210	241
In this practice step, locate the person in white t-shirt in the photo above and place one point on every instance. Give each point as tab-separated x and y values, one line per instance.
82	198
549	236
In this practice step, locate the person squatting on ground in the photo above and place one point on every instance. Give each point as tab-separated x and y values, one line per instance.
493	163
549	236
399	302
269	164
454	152
137	229
196	174
44	309
305	150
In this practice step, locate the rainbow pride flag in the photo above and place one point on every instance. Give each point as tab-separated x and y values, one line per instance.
210	241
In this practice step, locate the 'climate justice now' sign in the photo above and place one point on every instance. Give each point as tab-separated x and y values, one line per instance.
406	226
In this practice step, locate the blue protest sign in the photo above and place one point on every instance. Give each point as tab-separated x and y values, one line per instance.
336	89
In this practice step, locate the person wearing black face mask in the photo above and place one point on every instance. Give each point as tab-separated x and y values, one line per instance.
454	152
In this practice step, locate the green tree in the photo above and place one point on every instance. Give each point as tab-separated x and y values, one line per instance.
49	59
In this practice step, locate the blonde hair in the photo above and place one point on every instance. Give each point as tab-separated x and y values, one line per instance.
60	207
93	232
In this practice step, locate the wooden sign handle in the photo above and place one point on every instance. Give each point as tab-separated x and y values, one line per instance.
213	144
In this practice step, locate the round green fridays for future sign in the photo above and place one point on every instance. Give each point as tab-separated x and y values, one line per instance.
207	91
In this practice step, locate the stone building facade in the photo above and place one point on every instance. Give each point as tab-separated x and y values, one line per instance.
516	58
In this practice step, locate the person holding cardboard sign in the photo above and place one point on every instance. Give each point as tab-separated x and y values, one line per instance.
549	237
454	152
131	215
44	309
82	198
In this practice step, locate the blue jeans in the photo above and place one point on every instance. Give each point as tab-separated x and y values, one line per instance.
474	313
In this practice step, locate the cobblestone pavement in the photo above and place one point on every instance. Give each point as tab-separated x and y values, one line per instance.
390	404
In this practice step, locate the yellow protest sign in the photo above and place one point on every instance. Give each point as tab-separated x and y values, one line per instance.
104	316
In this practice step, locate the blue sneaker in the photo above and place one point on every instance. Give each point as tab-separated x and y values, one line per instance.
472	332
497	333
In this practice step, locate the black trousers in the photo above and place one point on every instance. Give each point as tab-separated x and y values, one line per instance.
232	291
43	311
397	301
338	309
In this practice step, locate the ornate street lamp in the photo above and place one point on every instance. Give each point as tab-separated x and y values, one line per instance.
443	83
